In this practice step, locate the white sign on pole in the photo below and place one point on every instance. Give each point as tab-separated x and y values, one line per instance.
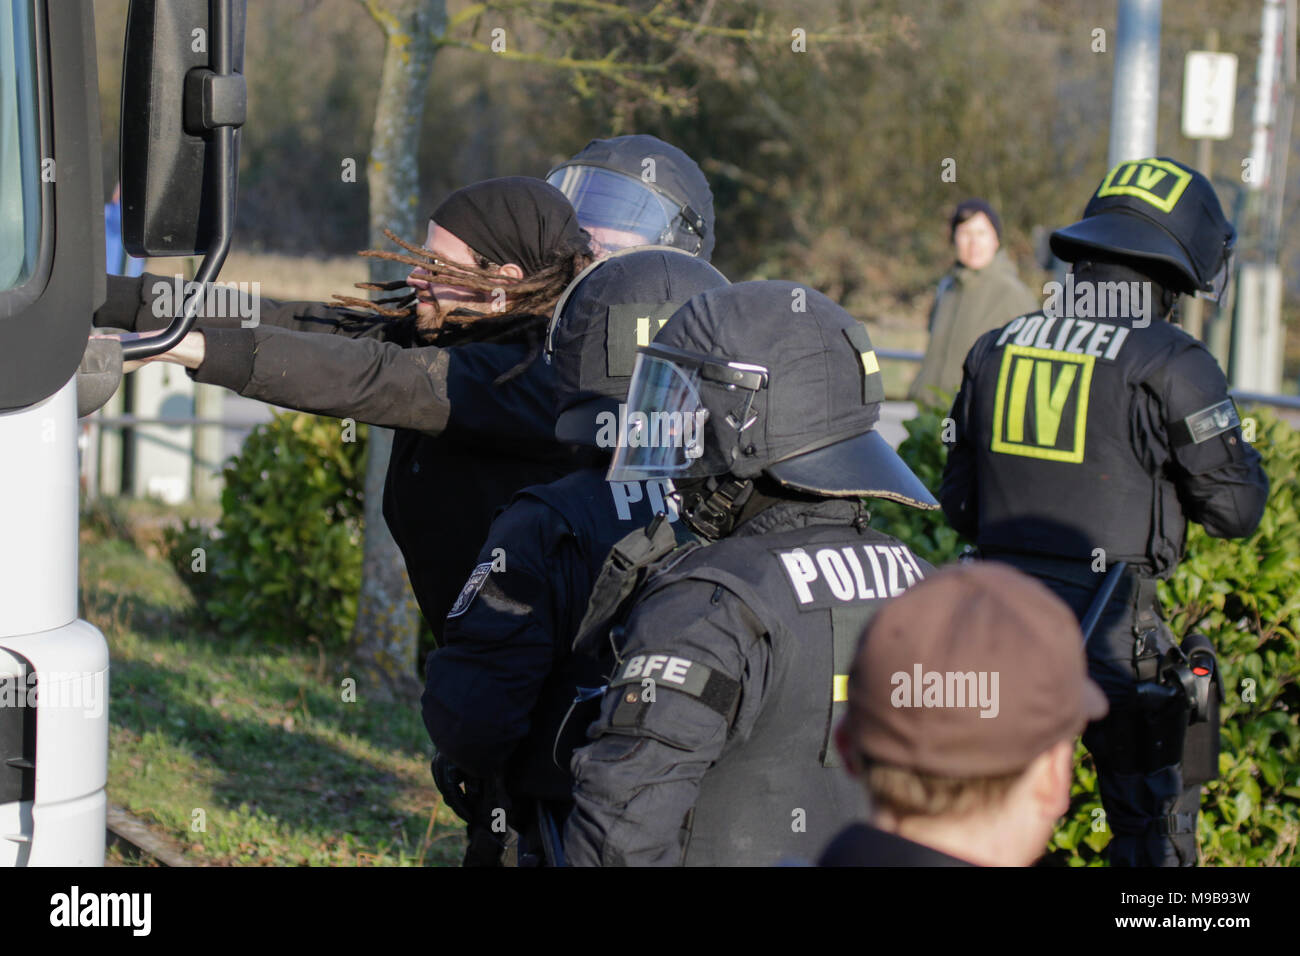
1209	92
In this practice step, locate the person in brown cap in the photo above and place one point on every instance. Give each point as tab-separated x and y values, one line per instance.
965	698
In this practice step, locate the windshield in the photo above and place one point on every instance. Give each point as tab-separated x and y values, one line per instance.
20	166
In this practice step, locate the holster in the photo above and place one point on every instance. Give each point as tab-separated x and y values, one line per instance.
1201	750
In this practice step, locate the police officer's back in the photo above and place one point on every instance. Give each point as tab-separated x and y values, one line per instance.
503	680
1088	434
713	744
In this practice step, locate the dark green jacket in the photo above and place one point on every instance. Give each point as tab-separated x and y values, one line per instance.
968	304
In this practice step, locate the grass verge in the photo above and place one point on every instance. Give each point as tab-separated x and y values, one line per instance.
246	754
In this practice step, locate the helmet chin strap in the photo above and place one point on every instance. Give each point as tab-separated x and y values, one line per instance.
711	506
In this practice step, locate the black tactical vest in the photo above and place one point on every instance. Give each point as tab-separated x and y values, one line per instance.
1069	450
598	513
781	793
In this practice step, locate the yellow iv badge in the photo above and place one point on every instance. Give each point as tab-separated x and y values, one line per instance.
1041	407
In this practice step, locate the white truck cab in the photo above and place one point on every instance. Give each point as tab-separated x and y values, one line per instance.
181	111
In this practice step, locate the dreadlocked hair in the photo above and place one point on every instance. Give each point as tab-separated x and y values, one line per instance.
532	295
532	298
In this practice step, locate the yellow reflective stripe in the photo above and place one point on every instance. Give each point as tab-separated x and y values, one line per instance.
869	363
643	330
840	689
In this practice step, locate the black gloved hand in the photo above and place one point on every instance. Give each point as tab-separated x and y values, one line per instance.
450	780
477	805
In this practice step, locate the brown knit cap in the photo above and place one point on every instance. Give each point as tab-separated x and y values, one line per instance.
974	672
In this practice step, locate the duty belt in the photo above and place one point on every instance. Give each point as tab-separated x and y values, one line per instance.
1077	571
1143	600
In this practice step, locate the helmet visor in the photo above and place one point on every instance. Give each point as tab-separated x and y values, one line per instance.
1218	284
664	430
620	211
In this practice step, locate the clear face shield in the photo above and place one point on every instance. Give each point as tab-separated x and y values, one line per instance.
666	430
1218	284
620	211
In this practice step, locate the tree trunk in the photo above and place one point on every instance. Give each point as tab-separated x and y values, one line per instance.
384	636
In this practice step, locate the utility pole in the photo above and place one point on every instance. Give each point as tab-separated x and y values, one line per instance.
1257	322
1135	96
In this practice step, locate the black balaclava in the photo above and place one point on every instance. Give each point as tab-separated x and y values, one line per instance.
1100	268
513	219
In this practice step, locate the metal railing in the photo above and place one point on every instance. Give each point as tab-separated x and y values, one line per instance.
131	421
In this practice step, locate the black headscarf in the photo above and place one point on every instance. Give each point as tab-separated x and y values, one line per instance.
513	219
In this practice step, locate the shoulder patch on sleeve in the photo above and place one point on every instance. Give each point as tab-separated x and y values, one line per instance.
1208	422
470	590
712	688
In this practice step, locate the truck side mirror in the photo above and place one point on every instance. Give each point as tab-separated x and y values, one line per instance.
176	98
183	101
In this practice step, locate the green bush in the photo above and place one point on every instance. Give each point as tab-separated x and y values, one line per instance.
284	560
1245	596
925	532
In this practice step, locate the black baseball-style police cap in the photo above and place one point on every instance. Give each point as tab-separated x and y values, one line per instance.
1158	210
785	382
608	310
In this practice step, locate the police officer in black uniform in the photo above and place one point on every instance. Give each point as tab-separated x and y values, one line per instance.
501	683
713	744
1087	435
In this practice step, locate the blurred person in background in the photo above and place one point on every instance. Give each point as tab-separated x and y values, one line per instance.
980	293
117	262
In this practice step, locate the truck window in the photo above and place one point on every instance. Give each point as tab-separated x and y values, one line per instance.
20	162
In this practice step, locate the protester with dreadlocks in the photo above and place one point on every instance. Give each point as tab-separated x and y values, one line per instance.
452	366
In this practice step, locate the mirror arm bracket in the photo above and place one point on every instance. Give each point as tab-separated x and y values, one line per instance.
213	101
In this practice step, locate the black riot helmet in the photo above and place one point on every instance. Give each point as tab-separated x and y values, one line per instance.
1161	213
638	191
610	309
763	378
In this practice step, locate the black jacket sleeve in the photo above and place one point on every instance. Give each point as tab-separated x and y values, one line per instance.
500	642
149	302
637	780
1220	479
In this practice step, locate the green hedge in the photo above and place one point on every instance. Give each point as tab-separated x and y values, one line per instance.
1244	595
284	560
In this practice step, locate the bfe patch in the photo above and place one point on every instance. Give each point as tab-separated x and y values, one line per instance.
470	590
